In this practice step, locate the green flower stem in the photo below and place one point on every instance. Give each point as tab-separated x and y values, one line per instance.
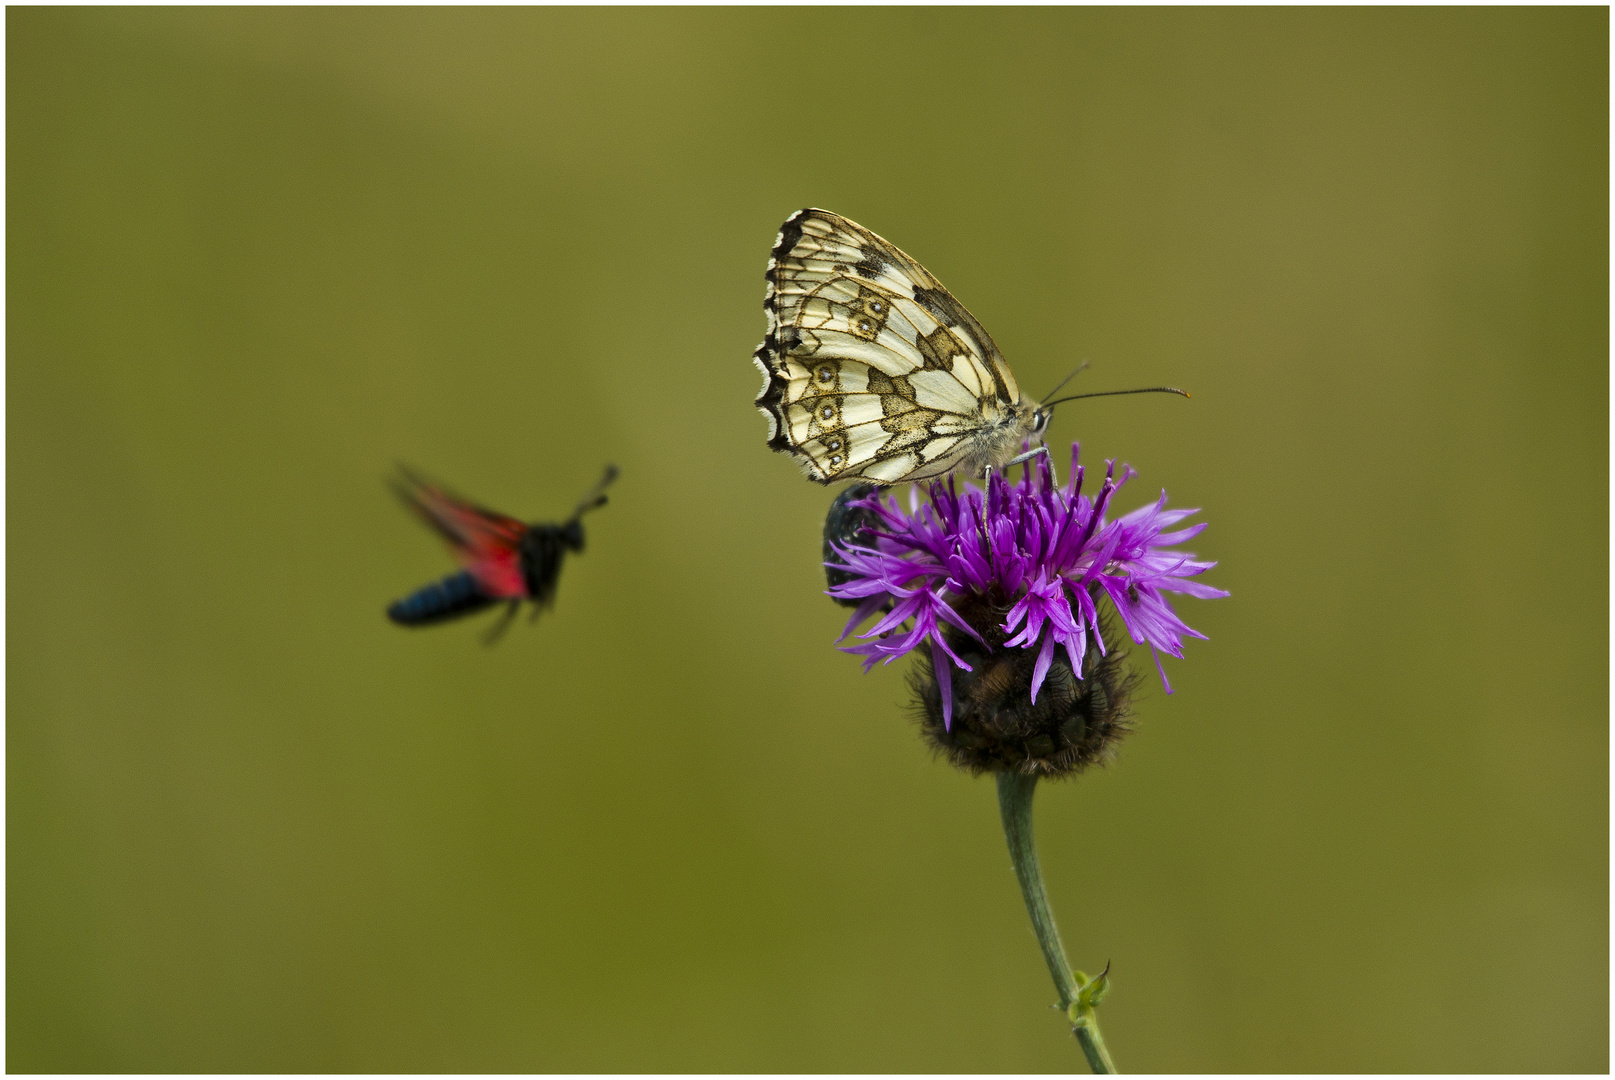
1078	993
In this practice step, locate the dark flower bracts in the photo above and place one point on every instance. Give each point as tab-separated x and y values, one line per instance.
1010	588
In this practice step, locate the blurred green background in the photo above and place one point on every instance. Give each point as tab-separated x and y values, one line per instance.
256	256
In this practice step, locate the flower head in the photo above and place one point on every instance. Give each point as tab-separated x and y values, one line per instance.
1010	588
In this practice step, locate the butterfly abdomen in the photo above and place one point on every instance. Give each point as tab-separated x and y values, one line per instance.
456	595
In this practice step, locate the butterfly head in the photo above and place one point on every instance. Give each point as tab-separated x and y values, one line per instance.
1040	420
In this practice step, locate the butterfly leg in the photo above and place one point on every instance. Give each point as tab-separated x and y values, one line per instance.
498	629
1016	460
1028	456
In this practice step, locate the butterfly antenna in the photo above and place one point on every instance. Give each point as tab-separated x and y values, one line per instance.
597	494
1114	393
1063	381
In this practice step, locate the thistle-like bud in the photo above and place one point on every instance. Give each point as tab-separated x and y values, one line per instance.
998	727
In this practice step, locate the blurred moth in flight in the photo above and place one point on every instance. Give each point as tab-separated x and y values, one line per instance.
505	560
871	369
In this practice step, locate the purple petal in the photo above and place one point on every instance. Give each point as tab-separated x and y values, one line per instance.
1192	588
944	683
865	609
1076	647
946	611
1045	656
1161	670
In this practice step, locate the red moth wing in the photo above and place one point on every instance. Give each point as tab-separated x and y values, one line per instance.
486	543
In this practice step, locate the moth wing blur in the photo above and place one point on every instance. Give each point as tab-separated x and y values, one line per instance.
484	542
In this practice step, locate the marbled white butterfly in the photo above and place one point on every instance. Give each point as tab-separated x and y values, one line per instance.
873	371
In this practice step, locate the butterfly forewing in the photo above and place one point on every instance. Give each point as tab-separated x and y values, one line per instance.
872	369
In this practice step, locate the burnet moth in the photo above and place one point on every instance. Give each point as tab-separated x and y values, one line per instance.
505	560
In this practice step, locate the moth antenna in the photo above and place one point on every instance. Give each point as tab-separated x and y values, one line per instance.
597	494
1114	393
1080	367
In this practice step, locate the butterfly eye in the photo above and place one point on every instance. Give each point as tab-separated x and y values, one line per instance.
835	459
834	444
877	307
824	374
863	324
828	411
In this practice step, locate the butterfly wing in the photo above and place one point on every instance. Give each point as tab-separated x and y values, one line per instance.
486	543
872	369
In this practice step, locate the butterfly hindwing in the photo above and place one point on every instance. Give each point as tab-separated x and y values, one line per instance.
873	370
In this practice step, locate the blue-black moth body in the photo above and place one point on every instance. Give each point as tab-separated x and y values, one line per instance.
456	595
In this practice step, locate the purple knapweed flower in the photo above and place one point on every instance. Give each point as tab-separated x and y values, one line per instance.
1008	588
